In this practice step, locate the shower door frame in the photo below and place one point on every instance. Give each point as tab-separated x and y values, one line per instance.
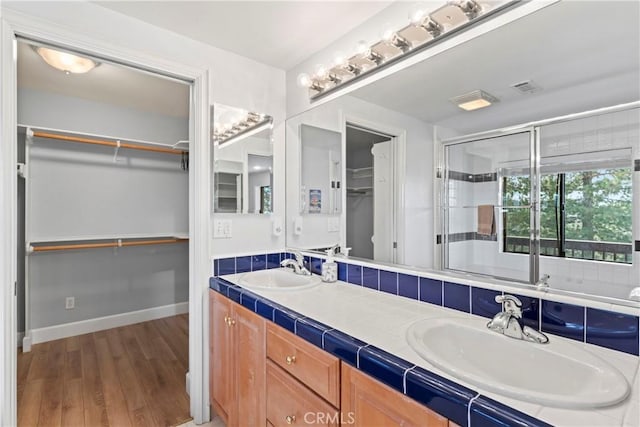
534	170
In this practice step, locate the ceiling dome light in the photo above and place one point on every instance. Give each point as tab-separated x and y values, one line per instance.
66	62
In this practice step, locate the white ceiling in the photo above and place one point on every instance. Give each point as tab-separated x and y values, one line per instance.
278	33
583	54
107	83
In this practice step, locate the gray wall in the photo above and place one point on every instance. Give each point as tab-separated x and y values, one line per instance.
104	281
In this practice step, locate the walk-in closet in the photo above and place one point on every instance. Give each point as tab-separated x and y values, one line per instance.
103	232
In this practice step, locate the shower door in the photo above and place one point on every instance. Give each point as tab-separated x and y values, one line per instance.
490	205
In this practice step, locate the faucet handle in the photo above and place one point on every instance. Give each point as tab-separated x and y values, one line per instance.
299	258
512	304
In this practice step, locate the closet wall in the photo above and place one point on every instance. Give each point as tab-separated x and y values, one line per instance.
77	191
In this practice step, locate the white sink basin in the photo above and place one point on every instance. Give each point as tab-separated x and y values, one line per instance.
277	279
559	373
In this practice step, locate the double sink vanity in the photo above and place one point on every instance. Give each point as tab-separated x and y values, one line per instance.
306	352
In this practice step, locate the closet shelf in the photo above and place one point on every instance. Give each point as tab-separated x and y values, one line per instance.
103	140
96	244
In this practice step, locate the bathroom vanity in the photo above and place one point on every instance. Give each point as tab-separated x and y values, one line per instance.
337	353
260	371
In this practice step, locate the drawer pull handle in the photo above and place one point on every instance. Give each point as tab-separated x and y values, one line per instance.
290	361
232	322
290	419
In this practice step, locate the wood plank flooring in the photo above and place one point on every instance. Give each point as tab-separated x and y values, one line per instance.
128	376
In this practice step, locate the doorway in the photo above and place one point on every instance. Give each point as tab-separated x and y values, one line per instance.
370	213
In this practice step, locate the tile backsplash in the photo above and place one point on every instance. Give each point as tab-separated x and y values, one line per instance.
617	331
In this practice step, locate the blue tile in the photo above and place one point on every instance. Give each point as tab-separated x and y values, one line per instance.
273	260
487	412
447	398
384	366
265	309
342	271
219	285
316	266
370	277
431	290
530	311
285	319
612	330
566	320
226	266
311	331
408	286
248	300
234	293
258	262
343	346
456	296
243	264
483	302
354	274
216	268
389	282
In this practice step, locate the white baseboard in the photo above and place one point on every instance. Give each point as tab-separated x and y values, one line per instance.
188	382
65	330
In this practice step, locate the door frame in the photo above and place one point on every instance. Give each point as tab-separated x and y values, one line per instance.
14	24
399	141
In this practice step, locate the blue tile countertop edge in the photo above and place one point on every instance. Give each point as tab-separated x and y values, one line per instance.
465	407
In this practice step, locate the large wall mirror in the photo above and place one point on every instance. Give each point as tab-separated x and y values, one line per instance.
242	161
415	189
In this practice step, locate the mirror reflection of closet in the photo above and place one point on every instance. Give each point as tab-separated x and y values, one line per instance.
242	161
362	145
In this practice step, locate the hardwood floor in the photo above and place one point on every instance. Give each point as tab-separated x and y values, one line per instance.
128	376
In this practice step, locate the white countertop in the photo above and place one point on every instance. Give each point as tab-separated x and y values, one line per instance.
382	320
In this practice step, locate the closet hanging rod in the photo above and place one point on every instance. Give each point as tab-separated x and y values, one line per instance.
114	144
116	244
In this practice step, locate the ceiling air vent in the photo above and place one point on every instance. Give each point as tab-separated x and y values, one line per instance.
528	86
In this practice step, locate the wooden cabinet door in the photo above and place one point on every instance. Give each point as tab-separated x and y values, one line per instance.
249	336
221	358
368	402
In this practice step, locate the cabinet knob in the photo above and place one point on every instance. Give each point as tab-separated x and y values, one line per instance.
290	361
232	322
290	419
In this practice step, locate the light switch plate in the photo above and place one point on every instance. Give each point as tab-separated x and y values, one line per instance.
222	229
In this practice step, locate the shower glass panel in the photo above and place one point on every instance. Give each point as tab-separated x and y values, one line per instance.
487	206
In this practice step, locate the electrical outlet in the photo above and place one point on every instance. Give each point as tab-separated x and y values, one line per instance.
69	303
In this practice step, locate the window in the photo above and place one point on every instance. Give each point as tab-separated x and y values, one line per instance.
584	214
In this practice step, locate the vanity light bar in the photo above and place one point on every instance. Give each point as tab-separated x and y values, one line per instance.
251	125
424	30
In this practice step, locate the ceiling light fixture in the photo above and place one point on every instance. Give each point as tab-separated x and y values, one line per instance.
67	62
423	30
474	100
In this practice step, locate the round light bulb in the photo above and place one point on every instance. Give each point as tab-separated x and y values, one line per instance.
387	32
304	80
321	71
417	14
340	59
362	48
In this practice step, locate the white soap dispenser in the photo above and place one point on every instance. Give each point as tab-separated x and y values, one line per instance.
329	268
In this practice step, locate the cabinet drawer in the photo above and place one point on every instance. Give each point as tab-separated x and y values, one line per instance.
317	369
291	403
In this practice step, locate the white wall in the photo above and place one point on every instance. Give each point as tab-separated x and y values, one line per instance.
235	81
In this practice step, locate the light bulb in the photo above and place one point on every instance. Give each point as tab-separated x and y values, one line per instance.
417	14
304	80
340	59
321	71
387	33
362	48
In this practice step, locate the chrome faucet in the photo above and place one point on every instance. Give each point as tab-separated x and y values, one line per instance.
509	321
543	283
297	264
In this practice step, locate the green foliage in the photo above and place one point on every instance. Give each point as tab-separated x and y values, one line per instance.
598	205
